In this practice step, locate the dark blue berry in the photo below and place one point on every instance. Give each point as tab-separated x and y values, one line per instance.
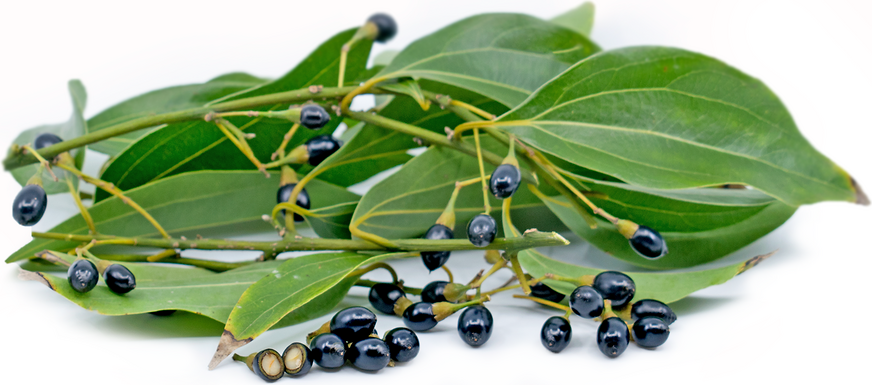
369	354
541	290
648	243
29	205
434	292
505	181
616	287
353	324
481	230
383	296
435	259
419	316
612	337
387	26
284	195
328	350
475	325
297	359
556	334
83	276
45	140
586	302
653	308
268	365
650	332
403	344
119	279
313	116
321	147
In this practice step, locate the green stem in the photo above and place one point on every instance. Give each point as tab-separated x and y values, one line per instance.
216	266
82	209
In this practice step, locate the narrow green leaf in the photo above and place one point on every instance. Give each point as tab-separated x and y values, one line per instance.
668	118
504	57
579	19
666	287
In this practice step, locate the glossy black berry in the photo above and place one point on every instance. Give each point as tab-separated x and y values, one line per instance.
387	26
403	344
83	276
353	324
612	337
481	230
653	308
119	279
541	290
556	334
163	313
434	292
419	316
297	359
383	296
321	147
616	287
435	259
45	140
650	332
586	302
284	195
475	325
268	365
505	181
648	243
29	205
369	354
328	350
313	116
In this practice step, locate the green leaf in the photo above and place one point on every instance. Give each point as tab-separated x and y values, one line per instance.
411	88
199	145
504	57
298	285
163	101
70	129
666	287
579	19
667	118
201	202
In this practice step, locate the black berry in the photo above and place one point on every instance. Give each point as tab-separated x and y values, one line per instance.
368	354
284	195
650	332
328	350
321	147
313	116
353	324
541	290
586	302
268	365
419	316
29	205
612	337
435	259
297	359
119	279
648	243
556	334
83	276
383	296
386	25
616	287
505	181
403	344
481	230
475	325
434	292
653	308
45	140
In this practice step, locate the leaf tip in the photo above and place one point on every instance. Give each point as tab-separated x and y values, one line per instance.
754	262
862	199
227	345
25	275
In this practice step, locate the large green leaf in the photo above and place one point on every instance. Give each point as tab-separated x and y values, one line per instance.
667	286
190	204
504	57
579	19
163	101
74	127
668	118
199	145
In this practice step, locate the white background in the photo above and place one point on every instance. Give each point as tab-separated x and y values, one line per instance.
800	315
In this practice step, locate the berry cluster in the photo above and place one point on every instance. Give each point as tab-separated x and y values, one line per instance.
83	276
